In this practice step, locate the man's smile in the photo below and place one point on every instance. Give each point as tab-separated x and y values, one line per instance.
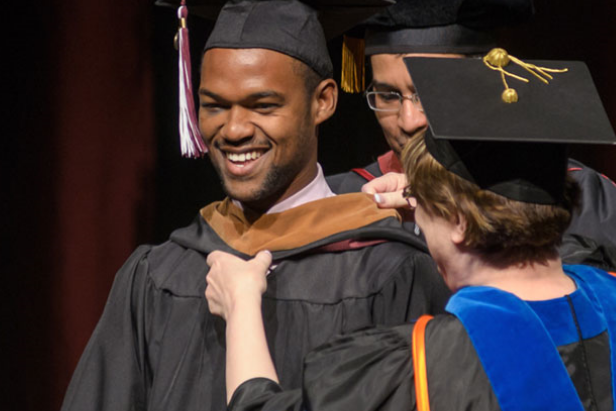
241	163
240	158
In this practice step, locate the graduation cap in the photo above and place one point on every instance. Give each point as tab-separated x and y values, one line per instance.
431	26
517	149
296	28
442	26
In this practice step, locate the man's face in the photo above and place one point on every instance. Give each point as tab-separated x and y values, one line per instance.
390	74
257	122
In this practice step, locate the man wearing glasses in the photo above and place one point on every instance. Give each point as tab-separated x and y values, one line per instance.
428	28
454	29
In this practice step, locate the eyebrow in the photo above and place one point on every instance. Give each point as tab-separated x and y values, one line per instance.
382	85
389	87
251	97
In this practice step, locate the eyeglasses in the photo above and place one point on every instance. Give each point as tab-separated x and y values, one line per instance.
390	101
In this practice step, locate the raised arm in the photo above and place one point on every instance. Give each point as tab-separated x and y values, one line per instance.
234	290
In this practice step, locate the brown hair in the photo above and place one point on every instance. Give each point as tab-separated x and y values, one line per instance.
503	231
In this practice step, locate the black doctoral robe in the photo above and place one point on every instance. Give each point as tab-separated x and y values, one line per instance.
373	369
341	265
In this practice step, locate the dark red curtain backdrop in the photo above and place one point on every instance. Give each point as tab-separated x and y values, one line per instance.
90	166
80	181
102	91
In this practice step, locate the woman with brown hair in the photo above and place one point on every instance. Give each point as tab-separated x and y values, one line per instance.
488	186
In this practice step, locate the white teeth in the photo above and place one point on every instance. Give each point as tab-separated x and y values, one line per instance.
240	158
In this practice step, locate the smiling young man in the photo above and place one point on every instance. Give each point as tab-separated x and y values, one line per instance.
339	262
461	29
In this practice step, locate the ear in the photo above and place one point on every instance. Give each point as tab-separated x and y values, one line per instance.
458	232
324	101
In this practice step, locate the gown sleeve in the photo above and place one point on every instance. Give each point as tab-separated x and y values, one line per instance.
591	239
598	205
370	369
111	374
262	394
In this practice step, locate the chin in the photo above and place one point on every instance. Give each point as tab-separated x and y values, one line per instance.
254	195
242	195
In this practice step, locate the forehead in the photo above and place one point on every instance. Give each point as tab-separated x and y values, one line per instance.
390	68
248	70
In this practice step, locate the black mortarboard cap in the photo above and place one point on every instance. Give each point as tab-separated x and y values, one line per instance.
442	26
519	149
289	27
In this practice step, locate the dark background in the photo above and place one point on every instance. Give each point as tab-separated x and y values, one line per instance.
91	166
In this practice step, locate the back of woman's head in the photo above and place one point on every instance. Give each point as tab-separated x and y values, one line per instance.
503	231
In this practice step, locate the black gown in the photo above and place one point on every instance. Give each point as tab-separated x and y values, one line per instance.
157	347
372	369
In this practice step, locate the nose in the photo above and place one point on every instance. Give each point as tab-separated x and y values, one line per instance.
411	118
237	127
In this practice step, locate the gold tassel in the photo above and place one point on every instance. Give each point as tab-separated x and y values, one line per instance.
498	58
353	76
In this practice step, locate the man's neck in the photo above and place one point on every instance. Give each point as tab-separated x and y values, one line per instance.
315	190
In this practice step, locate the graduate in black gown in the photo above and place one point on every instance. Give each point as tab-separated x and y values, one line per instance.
489	188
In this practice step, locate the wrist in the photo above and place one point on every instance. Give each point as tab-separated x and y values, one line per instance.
244	304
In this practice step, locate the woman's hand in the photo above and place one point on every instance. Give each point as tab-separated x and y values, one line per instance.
234	289
387	190
232	281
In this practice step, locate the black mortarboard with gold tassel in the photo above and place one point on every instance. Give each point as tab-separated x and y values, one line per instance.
515	149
